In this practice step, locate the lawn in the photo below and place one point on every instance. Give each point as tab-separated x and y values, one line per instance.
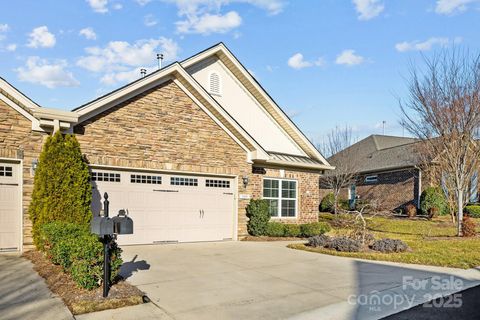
431	242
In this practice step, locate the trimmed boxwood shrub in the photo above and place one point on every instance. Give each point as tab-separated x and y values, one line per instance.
292	230
344	244
389	245
326	205
257	212
275	229
433	202
79	252
314	229
62	190
473	211
319	241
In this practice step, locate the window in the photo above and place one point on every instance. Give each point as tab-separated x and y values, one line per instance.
281	196
371	179
140	178
6	171
217	183
181	181
214	82
105	176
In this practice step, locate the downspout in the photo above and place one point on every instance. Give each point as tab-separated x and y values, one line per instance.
418	194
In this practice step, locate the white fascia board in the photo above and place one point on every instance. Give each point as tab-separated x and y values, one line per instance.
18	95
35	121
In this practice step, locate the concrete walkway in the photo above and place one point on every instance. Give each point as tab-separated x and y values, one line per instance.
266	280
24	294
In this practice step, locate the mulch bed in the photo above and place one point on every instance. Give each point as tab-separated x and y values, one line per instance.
266	238
80	300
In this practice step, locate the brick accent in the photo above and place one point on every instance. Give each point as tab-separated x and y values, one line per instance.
18	141
308	191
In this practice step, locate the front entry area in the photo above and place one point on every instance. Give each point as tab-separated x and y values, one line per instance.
10	206
167	207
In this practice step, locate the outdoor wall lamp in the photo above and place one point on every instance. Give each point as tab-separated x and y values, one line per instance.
245	181
34	166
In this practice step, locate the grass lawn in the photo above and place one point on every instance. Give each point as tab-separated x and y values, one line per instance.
431	242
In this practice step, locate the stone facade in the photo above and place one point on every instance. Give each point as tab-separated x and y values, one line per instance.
18	141
308	191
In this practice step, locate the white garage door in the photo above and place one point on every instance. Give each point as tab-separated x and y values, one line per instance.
168	207
10	211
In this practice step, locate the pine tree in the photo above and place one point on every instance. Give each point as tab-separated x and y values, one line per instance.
62	190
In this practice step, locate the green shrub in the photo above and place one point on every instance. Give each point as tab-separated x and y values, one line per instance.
473	211
257	212
292	230
314	229
79	252
326	205
62	190
433	201
275	229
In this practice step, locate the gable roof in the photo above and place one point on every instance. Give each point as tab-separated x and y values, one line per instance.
380	153
261	95
176	72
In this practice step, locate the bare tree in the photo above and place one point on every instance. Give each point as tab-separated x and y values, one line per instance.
335	145
443	110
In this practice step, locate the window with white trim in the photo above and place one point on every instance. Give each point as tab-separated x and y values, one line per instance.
181	181
214	83
105	176
140	178
281	195
217	183
6	171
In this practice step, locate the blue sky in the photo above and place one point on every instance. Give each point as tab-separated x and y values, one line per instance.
325	62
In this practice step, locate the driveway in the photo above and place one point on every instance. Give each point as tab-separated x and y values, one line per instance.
24	294
266	280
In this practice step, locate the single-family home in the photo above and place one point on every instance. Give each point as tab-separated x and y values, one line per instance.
182	150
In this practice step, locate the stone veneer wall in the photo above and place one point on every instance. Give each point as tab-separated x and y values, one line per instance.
308	191
17	141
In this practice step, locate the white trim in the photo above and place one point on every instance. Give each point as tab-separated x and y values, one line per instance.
235	209
280	198
18	95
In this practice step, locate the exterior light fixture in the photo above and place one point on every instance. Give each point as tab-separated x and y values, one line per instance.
34	166
245	181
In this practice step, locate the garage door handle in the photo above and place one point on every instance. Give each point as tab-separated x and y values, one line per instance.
229	193
163	190
8	184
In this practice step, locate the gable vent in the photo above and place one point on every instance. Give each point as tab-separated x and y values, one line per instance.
214	83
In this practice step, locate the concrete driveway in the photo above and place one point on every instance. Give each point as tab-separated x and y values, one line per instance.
24	294
266	280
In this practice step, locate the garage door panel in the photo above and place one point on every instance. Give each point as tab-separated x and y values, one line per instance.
10	207
165	212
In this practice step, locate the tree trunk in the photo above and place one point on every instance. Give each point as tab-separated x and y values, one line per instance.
335	203
459	212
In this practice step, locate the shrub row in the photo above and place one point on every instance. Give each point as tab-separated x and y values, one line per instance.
78	252
346	244
473	211
277	229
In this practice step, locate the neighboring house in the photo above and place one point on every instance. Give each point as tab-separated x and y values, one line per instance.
387	170
182	149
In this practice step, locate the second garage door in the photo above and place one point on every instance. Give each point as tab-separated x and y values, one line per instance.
168	207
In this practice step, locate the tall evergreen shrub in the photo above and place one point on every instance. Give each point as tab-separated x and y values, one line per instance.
61	191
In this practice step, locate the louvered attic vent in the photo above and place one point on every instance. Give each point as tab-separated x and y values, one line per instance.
214	83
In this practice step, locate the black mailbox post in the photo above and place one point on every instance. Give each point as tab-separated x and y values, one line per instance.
108	228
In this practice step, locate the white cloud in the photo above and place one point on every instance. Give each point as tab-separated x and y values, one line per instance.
423	46
11	47
118	60
368	9
210	23
50	75
88	33
143	2
206	16
41	37
113	78
149	20
448	7
298	62
99	6
349	58
3	29
117	6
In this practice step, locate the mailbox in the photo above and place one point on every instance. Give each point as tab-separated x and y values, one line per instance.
102	226
122	224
